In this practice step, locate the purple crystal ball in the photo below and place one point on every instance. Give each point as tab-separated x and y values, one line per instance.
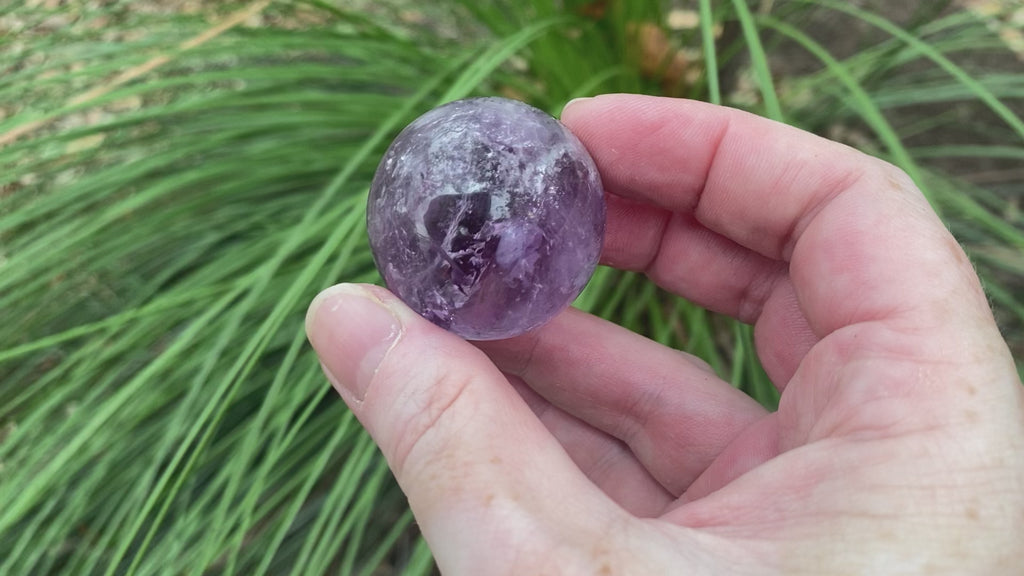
486	216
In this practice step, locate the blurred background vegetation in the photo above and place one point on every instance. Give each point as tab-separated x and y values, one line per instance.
178	178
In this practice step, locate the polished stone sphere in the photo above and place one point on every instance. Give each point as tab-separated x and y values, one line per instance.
486	216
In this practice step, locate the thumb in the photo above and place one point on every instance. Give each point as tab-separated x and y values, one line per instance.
481	472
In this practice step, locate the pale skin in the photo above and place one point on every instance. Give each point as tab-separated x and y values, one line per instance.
582	448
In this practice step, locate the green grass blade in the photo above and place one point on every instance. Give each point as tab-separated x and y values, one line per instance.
861	100
707	34
495	55
759	61
945	63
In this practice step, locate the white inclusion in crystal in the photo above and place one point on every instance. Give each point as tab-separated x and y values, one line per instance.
471	188
499	198
419	218
499	204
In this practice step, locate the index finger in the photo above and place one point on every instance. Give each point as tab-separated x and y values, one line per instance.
853	234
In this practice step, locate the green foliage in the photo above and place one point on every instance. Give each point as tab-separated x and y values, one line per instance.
173	194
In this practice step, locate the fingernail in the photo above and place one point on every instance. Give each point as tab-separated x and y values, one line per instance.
352	330
573	102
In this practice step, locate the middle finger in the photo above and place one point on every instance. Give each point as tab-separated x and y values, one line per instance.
671	410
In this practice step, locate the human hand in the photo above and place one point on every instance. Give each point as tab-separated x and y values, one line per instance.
581	448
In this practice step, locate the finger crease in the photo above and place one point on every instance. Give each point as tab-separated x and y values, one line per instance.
431	424
527	360
788	240
639	412
757	292
715	147
662	233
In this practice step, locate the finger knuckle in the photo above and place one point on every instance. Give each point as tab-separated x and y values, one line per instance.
433	415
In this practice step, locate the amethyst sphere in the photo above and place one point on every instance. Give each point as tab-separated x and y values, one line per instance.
486	216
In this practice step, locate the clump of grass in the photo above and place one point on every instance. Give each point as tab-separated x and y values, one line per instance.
176	187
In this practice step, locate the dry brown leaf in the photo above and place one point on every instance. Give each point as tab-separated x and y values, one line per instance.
659	59
1004	17
680	19
594	10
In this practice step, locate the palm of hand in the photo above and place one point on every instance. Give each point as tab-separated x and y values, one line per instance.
897	444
